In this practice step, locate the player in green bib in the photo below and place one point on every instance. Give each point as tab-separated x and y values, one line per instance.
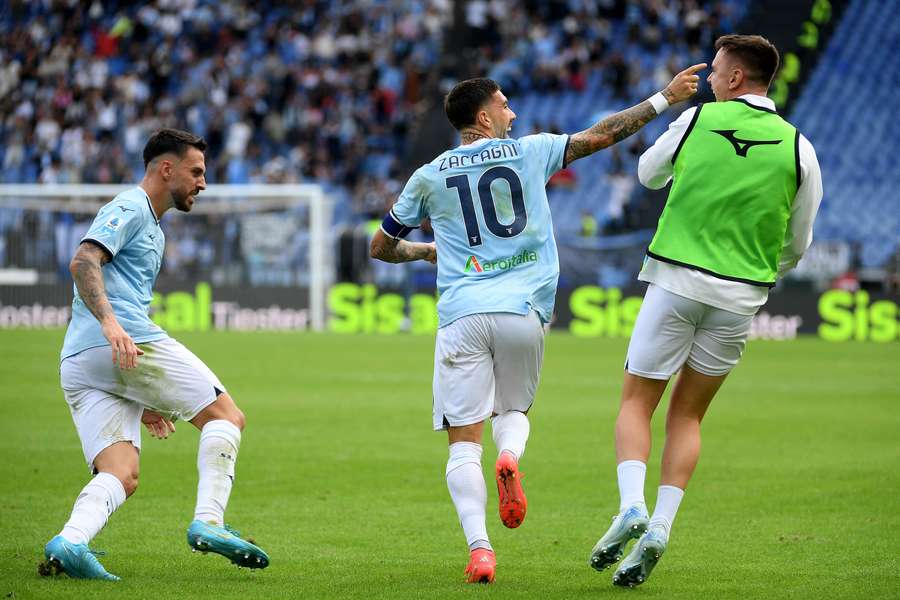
746	186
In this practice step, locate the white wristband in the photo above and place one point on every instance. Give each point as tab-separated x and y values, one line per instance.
659	102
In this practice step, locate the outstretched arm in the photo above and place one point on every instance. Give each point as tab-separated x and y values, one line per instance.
396	251
86	271
619	126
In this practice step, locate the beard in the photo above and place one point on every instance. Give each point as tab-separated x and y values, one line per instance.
182	202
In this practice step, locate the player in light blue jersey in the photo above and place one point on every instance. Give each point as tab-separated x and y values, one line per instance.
497	276
119	369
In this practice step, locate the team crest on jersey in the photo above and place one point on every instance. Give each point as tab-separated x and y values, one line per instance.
114	223
500	264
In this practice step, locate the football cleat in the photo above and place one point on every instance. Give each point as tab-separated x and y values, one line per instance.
207	537
509	489
636	567
75	560
482	565
627	525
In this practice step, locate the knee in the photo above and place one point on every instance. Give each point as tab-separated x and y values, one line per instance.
680	421
223	409
129	480
231	412
238	418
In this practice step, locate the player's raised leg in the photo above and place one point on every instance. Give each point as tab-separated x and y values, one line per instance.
518	355
510	431
220	425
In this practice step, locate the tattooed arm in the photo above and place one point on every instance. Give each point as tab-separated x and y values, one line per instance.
610	130
86	269
619	126
396	251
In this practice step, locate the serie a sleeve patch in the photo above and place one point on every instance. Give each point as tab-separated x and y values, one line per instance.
114	223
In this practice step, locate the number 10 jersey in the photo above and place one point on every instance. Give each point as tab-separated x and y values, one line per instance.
487	202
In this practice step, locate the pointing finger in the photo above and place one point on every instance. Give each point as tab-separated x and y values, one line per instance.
694	68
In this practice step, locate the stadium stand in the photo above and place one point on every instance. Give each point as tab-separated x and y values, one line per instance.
330	92
845	110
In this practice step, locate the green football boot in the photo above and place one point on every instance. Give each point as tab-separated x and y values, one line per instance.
207	537
75	560
636	567
626	526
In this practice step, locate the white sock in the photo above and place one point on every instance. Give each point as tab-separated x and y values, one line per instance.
667	500
465	481
510	431
100	498
219	443
631	483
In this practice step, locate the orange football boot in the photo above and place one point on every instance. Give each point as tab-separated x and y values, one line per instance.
482	565
509	488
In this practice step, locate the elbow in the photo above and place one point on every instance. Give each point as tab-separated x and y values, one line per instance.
643	173
73	266
647	181
650	182
642	177
376	250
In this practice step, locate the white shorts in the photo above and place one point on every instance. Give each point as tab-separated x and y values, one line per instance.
672	330
486	364
107	402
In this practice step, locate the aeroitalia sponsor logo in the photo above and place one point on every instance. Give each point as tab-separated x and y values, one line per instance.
500	264
472	263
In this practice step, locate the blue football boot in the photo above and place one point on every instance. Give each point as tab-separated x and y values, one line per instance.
75	560
206	537
627	525
636	567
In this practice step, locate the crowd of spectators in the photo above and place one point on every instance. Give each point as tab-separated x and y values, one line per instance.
317	90
320	91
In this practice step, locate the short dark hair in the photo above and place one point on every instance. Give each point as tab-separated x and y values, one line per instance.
757	55
466	98
172	141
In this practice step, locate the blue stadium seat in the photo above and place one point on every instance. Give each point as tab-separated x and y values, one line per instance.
846	111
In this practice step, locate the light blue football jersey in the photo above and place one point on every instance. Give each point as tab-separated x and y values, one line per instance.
128	229
488	206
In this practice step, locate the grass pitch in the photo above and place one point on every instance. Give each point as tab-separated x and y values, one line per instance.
341	480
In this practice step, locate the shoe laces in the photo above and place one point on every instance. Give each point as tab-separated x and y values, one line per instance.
231	530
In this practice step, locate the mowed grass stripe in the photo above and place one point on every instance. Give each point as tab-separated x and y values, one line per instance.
341	480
